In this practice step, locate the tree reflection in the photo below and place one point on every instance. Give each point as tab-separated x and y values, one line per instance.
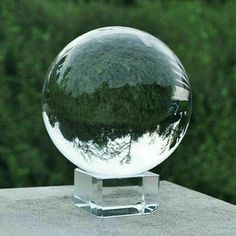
109	114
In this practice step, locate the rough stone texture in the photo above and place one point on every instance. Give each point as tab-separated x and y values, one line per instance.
50	211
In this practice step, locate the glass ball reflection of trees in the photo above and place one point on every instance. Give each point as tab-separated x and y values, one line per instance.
116	101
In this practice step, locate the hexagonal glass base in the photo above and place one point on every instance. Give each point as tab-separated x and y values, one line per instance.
109	197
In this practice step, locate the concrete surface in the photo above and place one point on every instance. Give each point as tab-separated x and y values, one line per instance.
50	211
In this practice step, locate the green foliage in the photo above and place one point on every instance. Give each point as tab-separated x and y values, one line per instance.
202	33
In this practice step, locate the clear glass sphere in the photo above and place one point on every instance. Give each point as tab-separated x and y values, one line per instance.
116	101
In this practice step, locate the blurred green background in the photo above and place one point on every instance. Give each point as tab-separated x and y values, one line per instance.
201	33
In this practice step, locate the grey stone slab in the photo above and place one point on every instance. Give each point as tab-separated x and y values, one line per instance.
50	211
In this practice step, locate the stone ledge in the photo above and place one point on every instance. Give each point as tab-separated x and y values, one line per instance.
50	211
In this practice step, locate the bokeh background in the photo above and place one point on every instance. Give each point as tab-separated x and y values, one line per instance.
201	33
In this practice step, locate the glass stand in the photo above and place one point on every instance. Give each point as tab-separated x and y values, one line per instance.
109	197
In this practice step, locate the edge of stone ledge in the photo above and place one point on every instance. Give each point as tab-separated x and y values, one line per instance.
59	190
193	190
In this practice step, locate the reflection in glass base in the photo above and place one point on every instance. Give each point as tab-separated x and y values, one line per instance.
110	196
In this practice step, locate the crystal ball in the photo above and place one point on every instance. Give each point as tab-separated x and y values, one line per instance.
116	101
